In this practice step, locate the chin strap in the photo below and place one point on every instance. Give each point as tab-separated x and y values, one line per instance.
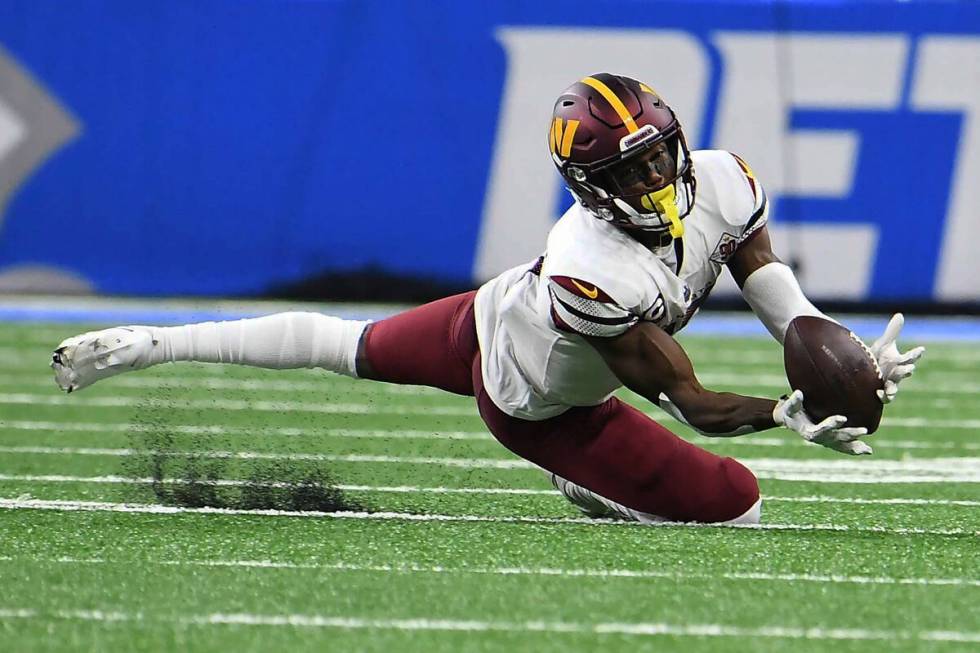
664	201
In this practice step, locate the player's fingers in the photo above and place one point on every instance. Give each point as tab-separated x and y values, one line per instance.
829	424
793	403
891	389
882	397
850	433
894	328
856	448
900	372
911	356
797	398
890	334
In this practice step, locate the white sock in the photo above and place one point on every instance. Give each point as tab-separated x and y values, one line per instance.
280	341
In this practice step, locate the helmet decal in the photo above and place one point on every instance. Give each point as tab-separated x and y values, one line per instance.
562	136
644	133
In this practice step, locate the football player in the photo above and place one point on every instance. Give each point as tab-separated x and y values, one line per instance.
543	346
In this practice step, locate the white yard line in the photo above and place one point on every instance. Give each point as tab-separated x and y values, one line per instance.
261	405
359	408
263	431
414	489
468	463
523	571
917	470
636	629
103	506
393	434
328	384
881	502
230	482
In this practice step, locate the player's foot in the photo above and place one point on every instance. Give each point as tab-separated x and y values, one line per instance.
82	360
583	499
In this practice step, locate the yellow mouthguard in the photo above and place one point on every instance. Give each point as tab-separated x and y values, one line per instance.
664	202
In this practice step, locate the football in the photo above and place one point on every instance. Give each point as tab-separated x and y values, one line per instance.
835	370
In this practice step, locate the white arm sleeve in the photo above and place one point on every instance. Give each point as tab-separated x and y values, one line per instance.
280	341
776	298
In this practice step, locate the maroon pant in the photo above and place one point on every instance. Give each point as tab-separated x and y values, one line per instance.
612	448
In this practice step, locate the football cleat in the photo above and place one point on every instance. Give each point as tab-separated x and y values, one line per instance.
82	360
585	500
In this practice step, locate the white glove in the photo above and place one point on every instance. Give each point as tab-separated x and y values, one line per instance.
82	360
828	433
894	365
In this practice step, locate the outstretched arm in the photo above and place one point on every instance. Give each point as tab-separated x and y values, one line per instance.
650	362
775	296
769	286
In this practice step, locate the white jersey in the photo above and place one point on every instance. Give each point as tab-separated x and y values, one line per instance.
595	280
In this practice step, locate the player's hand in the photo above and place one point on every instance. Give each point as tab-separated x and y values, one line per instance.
830	433
894	365
82	360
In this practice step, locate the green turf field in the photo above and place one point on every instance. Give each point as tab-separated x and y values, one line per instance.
464	547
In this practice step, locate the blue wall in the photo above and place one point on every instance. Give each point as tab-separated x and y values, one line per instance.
224	147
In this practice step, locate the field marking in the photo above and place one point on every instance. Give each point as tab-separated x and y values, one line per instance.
392	434
286	431
917	470
262	405
468	463
359	408
524	571
635	629
882	502
105	506
231	482
330	383
414	489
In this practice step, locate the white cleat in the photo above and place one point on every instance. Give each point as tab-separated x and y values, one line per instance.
82	360
585	500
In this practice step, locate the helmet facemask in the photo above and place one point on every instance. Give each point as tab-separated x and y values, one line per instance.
648	186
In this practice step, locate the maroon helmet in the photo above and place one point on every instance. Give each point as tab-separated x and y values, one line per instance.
622	154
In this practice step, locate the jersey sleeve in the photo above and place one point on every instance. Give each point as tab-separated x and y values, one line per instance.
581	307
752	209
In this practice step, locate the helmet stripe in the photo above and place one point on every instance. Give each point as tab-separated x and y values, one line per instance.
569	137
647	89
616	103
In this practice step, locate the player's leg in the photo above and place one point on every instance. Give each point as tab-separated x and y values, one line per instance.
614	456
433	345
419	346
280	341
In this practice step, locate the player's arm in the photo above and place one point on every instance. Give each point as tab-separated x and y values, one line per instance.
771	289
651	363
769	285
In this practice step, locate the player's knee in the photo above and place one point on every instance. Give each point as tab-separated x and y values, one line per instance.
741	502
751	516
